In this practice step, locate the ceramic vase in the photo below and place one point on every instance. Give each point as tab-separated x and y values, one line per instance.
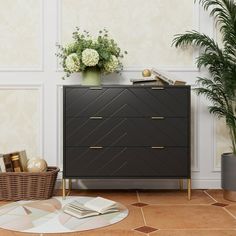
91	77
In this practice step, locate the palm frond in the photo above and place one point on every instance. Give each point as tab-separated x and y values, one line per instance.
220	87
213	62
196	39
218	111
212	95
224	12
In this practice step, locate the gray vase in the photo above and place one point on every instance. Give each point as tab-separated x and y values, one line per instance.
228	176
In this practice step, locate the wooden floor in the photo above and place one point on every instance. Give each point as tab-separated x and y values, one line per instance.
164	213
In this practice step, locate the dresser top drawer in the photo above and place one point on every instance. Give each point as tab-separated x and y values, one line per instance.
127	101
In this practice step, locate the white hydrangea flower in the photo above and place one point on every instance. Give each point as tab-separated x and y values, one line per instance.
72	62
70	47
90	57
112	65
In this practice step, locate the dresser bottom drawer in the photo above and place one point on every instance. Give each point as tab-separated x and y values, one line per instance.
126	162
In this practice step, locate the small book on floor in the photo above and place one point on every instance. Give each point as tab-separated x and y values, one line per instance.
92	207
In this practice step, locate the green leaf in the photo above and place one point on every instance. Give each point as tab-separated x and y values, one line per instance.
220	86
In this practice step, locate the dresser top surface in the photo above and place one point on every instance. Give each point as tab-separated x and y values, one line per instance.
127	86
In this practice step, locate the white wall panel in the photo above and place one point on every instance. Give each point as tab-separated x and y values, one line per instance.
222	142
20	120
21	34
194	131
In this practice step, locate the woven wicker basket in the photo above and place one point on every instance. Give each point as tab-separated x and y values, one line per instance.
26	186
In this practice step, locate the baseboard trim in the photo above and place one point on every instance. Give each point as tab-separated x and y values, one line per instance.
141	184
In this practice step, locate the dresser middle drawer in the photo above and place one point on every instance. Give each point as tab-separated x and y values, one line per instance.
153	131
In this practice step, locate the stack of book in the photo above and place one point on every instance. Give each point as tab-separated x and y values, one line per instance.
158	78
13	162
148	81
93	207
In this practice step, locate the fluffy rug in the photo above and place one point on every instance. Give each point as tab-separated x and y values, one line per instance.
46	216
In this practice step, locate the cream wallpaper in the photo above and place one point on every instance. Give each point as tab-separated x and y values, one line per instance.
144	28
20	121
20	27
194	162
223	143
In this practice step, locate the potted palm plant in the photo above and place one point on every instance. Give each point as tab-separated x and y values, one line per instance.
220	86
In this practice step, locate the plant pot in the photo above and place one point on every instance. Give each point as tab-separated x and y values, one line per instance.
91	77
228	176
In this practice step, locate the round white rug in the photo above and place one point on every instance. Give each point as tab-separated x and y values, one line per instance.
46	216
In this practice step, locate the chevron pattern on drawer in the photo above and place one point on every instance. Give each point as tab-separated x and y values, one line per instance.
126	162
126	102
126	132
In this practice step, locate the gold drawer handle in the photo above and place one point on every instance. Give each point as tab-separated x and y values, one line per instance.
158	117
95	88
158	88
96	147
158	147
96	118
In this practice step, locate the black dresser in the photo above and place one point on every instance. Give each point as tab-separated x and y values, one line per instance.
126	132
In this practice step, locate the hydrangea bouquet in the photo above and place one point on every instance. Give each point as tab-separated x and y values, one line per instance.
91	56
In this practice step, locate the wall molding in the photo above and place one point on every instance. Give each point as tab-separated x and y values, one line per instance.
163	67
196	26
215	168
195	153
131	69
59	127
40	88
59	30
39	68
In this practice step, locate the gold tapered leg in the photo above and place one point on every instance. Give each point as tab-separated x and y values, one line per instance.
69	187
189	189
181	184
63	189
70	184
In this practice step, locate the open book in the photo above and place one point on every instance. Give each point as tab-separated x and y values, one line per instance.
92	207
166	77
